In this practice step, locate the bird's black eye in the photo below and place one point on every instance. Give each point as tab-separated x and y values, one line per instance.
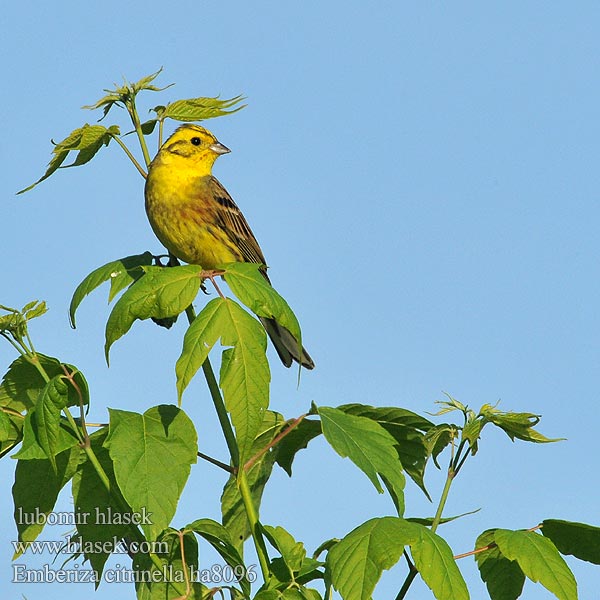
196	141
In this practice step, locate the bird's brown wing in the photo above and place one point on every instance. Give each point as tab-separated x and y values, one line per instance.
231	220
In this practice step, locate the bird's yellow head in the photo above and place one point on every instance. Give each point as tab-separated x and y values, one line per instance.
197	146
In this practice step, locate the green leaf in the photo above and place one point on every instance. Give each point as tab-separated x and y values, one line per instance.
121	273
437	438
86	141
220	539
22	383
292	552
31	449
368	445
152	455
125	95
11	432
253	290
539	559
148	126
357	561
287	448
99	517
407	428
52	399
244	376
36	489
200	337
503	578
34	309
428	521
436	565
516	425
198	109
578	539
471	432
232	506
159	293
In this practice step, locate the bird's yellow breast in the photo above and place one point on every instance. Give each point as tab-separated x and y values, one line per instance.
181	211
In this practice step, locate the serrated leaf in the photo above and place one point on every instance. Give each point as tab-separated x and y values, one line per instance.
200	337
199	109
152	455
52	399
245	374
36	489
435	562
356	562
121	273
539	560
370	447
86	141
293	442
503	578
253	290
220	539
516	425
159	293
144	83
408	429
577	539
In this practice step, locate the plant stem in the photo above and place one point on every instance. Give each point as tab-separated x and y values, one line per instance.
135	119
412	573
259	541
130	155
221	413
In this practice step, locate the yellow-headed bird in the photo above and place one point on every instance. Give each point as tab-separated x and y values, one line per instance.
192	214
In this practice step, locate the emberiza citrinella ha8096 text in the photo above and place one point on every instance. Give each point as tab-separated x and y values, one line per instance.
192	214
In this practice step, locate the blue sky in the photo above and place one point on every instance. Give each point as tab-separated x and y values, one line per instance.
422	178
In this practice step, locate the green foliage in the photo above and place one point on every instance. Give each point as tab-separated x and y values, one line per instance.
578	539
198	109
504	578
158	293
121	273
539	560
131	474
152	455
84	141
369	446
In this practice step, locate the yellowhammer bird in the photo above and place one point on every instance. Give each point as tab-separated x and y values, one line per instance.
192	214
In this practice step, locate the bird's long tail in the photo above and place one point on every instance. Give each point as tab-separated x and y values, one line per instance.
286	344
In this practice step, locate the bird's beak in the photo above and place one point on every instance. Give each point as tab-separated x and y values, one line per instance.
219	148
